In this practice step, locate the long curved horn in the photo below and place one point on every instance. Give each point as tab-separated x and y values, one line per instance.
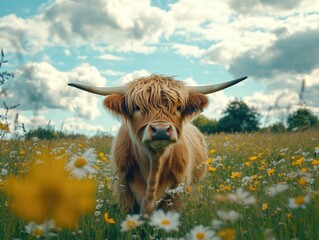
99	90
214	88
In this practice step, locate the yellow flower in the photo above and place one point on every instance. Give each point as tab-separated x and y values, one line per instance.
107	219
302	181
209	161
48	192
315	162
298	162
270	171
21	152
235	174
211	151
264	206
212	169
4	127
247	164
103	157
254	158
227	234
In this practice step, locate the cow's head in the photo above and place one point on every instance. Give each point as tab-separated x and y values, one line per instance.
155	107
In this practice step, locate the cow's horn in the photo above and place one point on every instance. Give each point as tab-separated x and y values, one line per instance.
214	88
99	90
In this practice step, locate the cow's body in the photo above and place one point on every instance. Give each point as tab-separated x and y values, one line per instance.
157	147
182	162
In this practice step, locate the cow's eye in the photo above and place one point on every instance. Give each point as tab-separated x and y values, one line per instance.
136	108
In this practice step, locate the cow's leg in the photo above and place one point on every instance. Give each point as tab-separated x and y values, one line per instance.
123	192
137	185
149	202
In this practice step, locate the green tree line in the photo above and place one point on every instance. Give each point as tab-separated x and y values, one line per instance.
239	117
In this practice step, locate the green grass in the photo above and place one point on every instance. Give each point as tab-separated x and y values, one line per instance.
278	162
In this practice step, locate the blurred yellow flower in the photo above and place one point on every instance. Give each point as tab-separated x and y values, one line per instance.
212	169
103	157
264	206
270	171
227	234
4	127
302	181
107	219
315	162
254	158
211	151
48	192
21	152
235	174
298	162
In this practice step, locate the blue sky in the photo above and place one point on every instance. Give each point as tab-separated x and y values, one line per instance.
110	42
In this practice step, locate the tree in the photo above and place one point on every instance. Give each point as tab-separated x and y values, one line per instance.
303	118
205	125
278	127
238	117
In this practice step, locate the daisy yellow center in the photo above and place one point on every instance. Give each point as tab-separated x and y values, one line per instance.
80	162
130	224
38	232
166	222
200	235
300	200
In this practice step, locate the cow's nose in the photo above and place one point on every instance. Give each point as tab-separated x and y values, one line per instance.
161	131
158	135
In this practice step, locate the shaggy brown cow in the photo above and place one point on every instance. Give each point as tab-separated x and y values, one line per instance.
157	148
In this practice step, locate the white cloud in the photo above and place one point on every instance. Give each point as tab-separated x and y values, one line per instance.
131	76
188	50
124	25
40	86
23	35
77	125
110	57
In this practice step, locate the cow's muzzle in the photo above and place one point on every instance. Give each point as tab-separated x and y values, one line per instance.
158	135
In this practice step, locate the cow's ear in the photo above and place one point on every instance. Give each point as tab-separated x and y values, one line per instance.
116	103
195	105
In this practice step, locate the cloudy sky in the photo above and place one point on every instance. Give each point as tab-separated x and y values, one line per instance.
109	42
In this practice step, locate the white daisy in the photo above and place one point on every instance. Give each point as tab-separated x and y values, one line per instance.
131	222
276	189
168	221
298	202
79	166
41	230
241	197
231	216
201	233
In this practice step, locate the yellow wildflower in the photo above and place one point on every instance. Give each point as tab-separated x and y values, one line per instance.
227	234
270	171
21	152
48	192
298	162
211	151
304	170
103	157
235	174
212	169
315	162
247	164
254	158
264	206
4	127
302	181
107	219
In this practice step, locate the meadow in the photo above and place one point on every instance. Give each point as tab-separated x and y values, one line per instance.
258	186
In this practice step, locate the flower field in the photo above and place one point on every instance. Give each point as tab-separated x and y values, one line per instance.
258	186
